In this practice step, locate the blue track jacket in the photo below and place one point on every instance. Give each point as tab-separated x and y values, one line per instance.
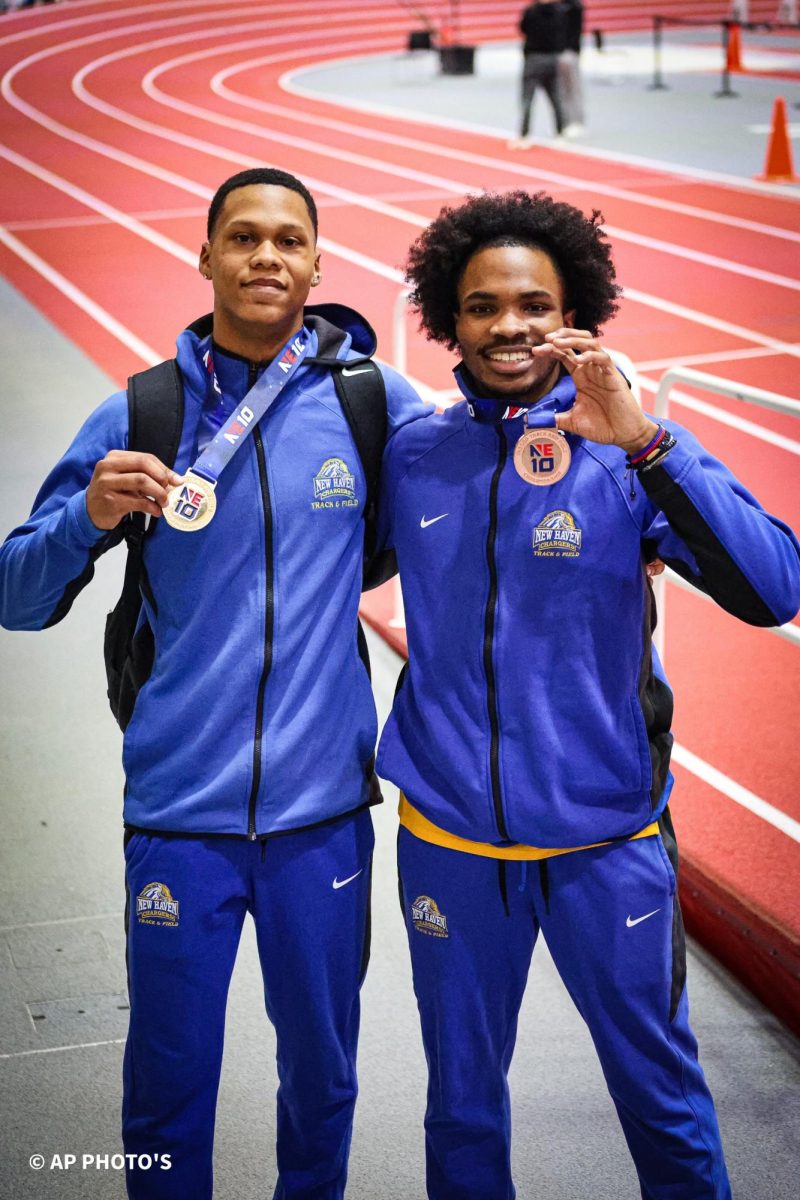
258	716
534	709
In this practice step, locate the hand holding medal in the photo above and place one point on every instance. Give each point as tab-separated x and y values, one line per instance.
127	481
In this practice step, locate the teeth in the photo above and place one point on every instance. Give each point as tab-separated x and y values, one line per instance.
509	355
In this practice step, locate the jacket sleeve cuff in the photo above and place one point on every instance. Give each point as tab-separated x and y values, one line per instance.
81	530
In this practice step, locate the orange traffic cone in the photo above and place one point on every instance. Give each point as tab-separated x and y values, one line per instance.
778	167
734	59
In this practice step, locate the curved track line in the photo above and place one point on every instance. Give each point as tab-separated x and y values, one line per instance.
219	86
350	197
732	182
84	302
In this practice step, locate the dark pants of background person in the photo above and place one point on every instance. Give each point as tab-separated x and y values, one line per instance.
541	70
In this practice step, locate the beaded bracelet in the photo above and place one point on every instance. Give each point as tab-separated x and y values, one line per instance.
658	448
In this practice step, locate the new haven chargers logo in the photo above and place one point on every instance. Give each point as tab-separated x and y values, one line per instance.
334	486
155	905
557	536
427	918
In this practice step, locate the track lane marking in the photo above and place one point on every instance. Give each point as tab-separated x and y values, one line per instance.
79	298
736	792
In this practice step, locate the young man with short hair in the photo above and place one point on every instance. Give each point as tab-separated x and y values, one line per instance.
530	730
249	752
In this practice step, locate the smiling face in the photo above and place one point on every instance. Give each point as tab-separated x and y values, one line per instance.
509	297
262	260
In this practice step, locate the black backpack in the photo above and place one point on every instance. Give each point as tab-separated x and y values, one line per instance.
155	422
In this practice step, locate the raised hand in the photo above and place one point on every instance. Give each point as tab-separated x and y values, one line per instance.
605	409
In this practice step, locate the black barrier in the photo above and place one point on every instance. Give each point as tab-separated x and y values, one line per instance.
457	60
725	89
420	39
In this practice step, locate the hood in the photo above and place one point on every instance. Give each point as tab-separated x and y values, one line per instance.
339	331
329	321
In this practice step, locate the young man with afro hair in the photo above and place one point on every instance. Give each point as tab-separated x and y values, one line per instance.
530	731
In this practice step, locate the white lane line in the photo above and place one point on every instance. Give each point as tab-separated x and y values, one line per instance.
79	298
60	1049
380	268
405	215
699	256
736	792
219	86
733	182
390	210
569	181
164	214
741	424
106	210
369	163
701	318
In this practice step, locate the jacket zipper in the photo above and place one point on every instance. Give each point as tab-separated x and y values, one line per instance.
269	613
488	642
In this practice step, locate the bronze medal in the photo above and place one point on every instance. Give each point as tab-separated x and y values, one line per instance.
191	505
542	456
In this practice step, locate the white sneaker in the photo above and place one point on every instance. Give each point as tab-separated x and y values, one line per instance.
520	143
574	130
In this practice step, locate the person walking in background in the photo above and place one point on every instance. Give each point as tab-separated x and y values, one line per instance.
530	731
544	28
570	88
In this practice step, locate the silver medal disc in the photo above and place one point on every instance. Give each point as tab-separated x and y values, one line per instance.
191	504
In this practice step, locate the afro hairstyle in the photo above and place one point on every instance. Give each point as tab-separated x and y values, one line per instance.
576	244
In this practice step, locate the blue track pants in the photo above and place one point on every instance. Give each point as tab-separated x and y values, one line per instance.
309	897
611	920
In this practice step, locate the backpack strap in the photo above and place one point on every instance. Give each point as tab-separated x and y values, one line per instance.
361	390
155	422
362	395
155	411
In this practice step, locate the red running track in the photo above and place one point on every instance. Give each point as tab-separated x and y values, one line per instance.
121	119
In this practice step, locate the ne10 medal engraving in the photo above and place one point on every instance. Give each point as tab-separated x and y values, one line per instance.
191	504
542	456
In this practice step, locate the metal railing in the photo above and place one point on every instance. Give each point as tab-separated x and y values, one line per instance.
735	391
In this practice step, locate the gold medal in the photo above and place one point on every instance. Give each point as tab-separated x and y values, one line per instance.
191	504
542	456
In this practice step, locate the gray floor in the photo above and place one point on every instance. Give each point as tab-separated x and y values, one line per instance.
62	978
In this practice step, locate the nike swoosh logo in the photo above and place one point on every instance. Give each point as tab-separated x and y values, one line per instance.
337	883
638	920
355	370
424	524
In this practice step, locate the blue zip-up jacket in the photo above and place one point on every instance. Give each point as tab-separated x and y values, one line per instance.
533	708
258	716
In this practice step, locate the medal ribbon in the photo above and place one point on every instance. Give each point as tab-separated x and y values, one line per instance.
265	391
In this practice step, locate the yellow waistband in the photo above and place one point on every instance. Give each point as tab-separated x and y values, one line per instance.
421	827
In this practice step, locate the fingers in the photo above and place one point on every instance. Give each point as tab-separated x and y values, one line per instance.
128	481
656	567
